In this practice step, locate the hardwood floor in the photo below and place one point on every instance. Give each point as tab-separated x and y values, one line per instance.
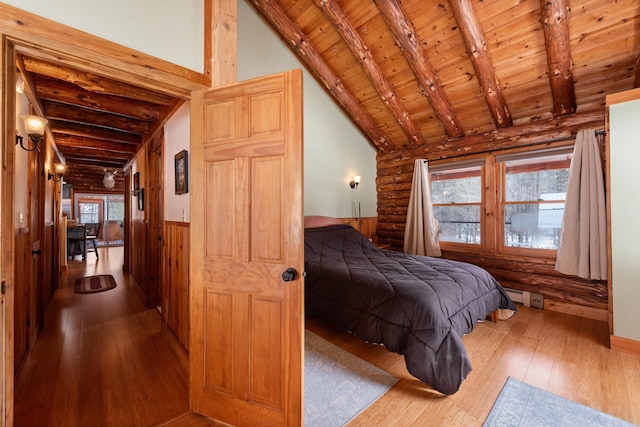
564	354
103	360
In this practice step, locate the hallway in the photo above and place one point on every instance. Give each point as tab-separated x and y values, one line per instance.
102	359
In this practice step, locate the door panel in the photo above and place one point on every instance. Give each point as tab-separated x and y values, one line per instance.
247	323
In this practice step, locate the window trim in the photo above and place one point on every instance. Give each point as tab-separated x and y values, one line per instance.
464	164
493	176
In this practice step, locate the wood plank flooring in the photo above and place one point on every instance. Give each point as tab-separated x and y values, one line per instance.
103	360
564	354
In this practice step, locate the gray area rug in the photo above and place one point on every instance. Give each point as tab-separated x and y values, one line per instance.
520	404
338	385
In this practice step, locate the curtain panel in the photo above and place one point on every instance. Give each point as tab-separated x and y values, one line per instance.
421	231
582	250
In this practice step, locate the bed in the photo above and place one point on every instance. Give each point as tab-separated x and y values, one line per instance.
414	305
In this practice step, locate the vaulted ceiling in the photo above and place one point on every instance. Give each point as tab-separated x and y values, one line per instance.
458	75
418	75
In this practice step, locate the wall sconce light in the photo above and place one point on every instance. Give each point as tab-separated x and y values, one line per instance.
355	182
59	168
34	125
19	84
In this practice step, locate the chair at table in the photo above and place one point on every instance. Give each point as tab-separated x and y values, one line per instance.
93	229
77	241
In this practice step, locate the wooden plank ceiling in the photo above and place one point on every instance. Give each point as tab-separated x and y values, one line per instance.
421	76
97	123
458	76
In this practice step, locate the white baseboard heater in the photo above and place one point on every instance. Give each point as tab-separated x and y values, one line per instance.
522	297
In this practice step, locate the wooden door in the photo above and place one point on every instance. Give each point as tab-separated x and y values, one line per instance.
247	324
156	222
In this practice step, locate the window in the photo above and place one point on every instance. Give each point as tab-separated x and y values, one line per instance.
512	202
115	209
535	186
456	194
89	213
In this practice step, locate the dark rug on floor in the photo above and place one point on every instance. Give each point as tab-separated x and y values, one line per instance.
522	405
93	284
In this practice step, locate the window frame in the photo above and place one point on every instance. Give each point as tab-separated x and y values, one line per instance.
492	211
451	166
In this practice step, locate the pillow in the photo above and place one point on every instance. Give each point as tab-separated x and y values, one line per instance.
320	221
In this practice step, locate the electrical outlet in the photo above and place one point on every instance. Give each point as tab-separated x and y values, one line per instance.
537	301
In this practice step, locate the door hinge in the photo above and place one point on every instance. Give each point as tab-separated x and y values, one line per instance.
3	287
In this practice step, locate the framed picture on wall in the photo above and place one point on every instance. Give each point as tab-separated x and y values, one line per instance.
136	183
182	169
141	199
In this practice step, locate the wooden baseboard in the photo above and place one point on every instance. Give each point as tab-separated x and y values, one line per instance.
577	310
624	345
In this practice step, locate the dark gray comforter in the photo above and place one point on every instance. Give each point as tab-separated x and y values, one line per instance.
415	305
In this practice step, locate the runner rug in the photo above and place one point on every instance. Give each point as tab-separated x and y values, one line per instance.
93	284
338	385
523	405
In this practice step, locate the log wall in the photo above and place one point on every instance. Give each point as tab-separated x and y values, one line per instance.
537	275
175	294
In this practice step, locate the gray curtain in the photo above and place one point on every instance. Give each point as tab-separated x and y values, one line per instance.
582	250
421	231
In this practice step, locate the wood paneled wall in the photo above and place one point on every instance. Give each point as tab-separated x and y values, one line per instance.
22	274
139	253
49	256
562	293
175	295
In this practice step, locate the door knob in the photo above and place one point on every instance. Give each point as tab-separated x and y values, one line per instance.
38	252
289	274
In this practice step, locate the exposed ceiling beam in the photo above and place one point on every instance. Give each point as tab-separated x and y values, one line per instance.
555	22
79	160
67	93
93	82
476	46
76	142
405	35
82	115
72	128
298	41
106	155
535	133
361	51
